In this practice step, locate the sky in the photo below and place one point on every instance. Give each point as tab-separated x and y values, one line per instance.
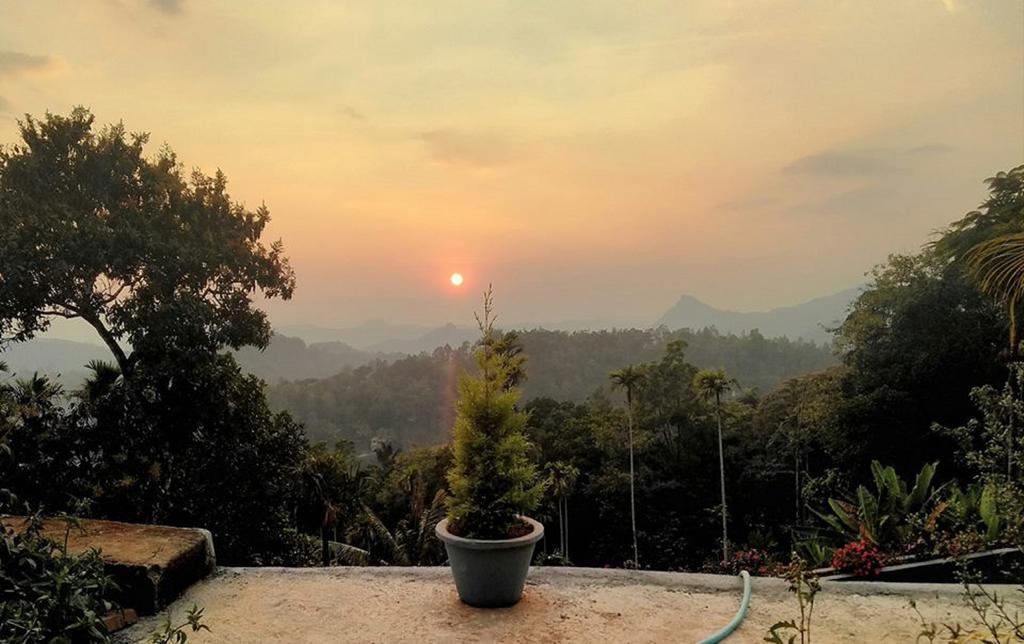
594	160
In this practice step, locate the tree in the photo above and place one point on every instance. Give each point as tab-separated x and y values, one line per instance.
561	481
915	342
332	489
630	378
991	241
90	228
196	450
992	445
711	384
492	478
997	216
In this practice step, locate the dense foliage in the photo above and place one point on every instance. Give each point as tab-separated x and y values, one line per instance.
410	401
198	451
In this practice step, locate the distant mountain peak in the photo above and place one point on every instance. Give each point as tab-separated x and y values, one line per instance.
807	321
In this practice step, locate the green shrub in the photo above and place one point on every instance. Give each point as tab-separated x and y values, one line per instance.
887	515
492	478
198	451
47	595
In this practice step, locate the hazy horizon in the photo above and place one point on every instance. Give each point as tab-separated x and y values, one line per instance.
594	161
77	330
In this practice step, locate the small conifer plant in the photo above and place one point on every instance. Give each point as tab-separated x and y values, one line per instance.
492	478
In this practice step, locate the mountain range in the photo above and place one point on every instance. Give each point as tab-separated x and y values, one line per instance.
809	321
299	352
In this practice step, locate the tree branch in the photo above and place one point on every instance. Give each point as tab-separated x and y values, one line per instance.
123	361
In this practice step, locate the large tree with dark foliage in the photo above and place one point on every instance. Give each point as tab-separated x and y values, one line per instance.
165	269
92	228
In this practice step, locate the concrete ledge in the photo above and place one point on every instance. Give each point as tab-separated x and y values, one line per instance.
351	604
151	564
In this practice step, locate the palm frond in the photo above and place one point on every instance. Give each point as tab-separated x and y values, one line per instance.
349	554
998	266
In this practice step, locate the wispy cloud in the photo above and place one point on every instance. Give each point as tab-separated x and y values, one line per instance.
467	149
841	164
168	6
350	112
17	62
864	163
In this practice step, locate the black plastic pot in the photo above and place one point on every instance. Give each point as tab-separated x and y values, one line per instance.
490	573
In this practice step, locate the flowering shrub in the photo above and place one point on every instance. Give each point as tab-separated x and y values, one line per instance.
756	562
860	558
961	543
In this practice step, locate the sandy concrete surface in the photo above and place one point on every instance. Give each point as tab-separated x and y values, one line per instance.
246	605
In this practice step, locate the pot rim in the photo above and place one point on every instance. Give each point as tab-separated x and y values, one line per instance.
441	530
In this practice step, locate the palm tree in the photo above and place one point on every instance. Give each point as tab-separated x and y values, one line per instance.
411	543
711	384
561	480
104	376
332	487
630	378
998	266
33	396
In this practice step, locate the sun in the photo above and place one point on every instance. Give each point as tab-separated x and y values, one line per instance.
456	279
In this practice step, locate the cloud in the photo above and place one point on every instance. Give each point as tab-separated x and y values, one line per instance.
168	6
15	62
465	149
841	164
350	112
864	163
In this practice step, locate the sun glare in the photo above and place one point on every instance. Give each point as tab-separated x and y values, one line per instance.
456	279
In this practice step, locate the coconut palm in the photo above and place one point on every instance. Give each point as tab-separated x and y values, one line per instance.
630	378
711	384
411	543
998	265
561	481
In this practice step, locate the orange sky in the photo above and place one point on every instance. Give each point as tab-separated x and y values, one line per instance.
595	160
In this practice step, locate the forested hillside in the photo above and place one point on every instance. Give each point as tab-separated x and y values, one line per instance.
409	400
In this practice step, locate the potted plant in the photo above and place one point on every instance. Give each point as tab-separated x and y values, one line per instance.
493	482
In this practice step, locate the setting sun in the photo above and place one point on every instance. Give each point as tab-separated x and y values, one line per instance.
456	279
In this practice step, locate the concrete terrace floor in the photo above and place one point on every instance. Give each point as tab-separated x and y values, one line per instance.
312	605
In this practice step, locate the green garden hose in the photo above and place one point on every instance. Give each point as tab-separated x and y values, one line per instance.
727	630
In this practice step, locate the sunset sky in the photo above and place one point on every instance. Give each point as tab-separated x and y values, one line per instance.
594	160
